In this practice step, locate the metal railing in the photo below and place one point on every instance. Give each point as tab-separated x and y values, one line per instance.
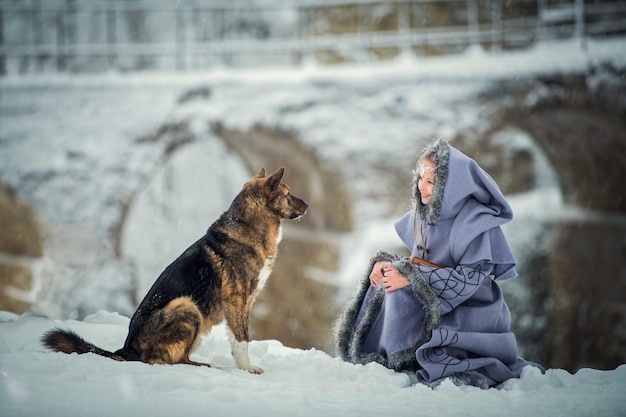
136	35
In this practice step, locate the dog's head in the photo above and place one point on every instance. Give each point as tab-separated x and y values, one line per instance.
277	196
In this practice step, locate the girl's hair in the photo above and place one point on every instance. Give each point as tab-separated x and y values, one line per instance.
421	168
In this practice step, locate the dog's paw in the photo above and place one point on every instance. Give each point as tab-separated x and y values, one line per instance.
255	370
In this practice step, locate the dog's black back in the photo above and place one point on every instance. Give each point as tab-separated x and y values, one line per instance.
190	275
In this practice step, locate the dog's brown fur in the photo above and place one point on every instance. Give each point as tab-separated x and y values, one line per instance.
216	278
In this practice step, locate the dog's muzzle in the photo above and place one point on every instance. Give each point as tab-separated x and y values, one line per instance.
299	213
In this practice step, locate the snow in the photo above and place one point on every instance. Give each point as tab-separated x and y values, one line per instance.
34	382
90	128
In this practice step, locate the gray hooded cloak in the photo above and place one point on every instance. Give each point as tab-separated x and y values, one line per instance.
450	322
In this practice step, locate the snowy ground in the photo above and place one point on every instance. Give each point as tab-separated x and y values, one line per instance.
34	382
86	130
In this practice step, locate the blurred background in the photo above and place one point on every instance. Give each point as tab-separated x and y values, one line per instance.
127	127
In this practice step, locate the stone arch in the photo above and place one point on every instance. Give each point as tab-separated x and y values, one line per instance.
588	150
574	282
579	121
190	189
297	305
262	145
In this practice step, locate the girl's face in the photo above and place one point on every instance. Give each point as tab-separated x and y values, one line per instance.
426	180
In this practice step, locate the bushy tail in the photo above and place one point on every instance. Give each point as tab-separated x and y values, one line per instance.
67	341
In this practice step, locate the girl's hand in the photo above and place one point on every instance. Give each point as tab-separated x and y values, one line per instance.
393	279
376	275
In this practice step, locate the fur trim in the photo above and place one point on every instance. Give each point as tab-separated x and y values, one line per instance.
350	336
460	379
425	293
343	331
439	149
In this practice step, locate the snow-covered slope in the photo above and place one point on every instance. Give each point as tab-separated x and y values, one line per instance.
34	382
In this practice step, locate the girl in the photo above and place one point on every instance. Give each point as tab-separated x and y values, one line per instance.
440	313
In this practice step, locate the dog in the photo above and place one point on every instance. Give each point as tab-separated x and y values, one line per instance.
215	279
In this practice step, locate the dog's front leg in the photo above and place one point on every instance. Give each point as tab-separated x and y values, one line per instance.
240	353
239	338
239	350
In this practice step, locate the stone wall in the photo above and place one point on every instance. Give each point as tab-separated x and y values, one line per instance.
20	246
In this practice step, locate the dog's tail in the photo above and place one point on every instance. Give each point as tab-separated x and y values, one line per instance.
67	341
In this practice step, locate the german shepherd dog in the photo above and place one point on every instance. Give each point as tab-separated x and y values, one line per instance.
216	278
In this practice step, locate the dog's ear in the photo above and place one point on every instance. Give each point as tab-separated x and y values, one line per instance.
260	174
274	179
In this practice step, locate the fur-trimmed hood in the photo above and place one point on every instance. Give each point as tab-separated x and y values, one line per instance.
466	203
458	179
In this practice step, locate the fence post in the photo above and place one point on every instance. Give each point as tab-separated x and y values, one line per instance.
111	36
180	42
541	25
61	35
472	22
67	34
580	23
305	33
36	27
404	27
497	30
184	38
3	67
